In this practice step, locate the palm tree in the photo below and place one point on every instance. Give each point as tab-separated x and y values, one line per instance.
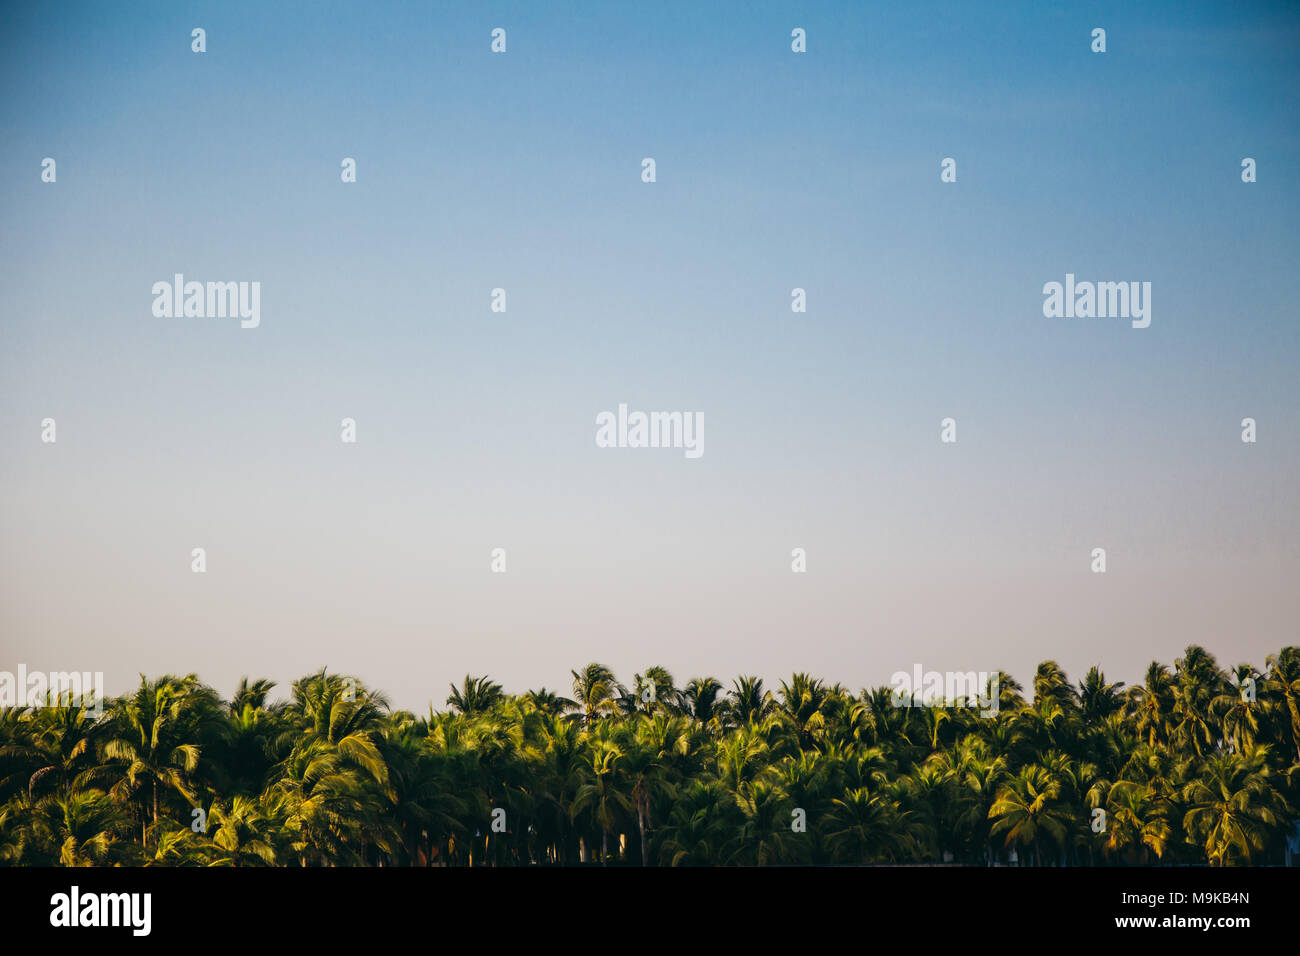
700	698
244	832
148	742
1050	683
253	741
981	777
864	827
549	702
1236	711
1097	698
477	695
1153	703
703	826
767	836
83	828
1284	681
603	793
654	690
53	750
645	751
802	700
335	781
1233	809
1136	820
252	694
596	691
1197	682
426	802
747	701
329	805
1028	809
1009	693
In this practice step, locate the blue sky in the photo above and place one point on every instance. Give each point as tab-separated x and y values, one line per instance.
522	171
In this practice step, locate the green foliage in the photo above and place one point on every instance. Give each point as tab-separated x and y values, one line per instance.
1195	765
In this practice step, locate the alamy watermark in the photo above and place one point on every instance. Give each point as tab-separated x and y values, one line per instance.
651	430
208	300
946	689
53	689
1101	300
75	908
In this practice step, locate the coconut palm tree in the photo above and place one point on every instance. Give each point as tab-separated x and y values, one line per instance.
245	831
1197	682
645	751
252	694
700	698
549	702
1136	821
981	776
748	702
596	692
1237	709
1028	811
802	700
477	695
704	826
767	835
1153	704
149	745
83	828
1051	685
1283	681
1233	808
865	827
655	691
53	749
604	793
1097	698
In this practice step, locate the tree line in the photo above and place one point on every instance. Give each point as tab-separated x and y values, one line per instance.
1196	765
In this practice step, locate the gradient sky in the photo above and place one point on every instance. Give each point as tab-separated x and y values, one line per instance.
476	429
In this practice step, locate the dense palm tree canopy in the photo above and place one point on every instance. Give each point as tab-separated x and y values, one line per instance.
1195	765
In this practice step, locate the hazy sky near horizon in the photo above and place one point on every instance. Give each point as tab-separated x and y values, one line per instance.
475	429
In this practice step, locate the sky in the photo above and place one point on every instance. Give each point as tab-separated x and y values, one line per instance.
475	429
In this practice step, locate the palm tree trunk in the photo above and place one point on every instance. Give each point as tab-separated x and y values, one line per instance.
640	823
1295	722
